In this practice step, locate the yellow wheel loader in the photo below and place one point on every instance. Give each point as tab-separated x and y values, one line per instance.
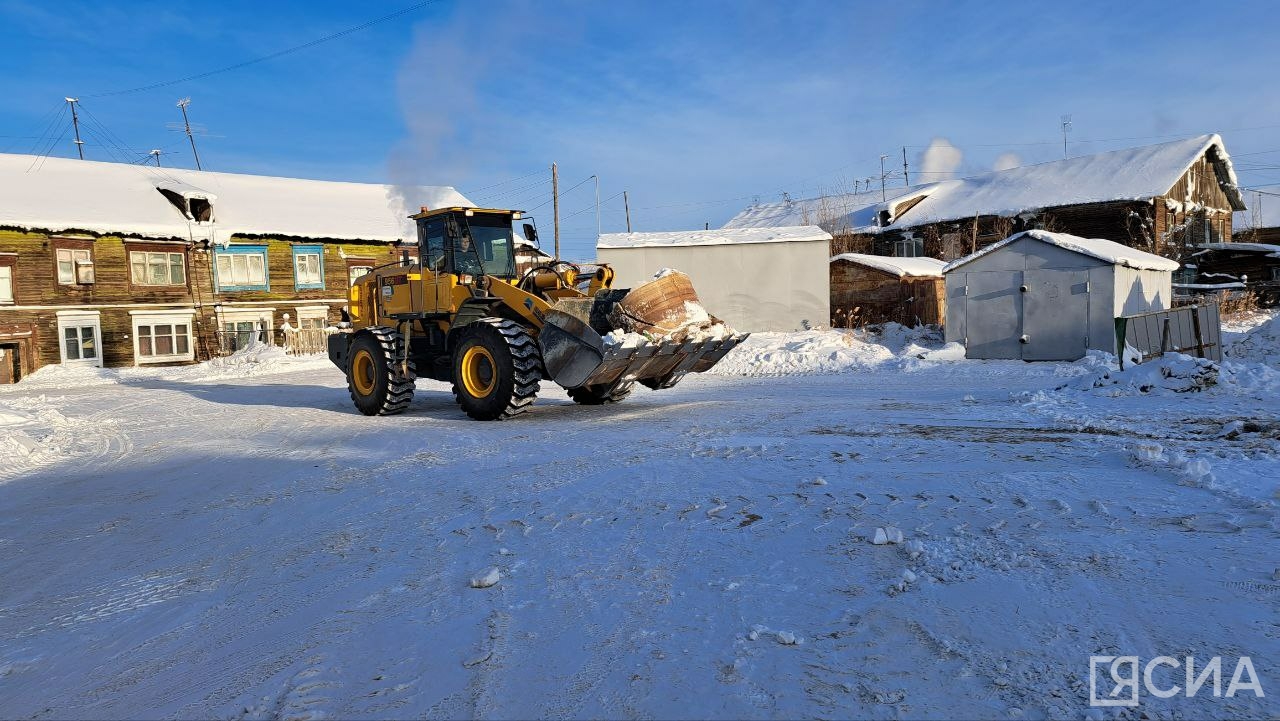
459	312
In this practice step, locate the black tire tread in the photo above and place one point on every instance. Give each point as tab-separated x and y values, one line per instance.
400	386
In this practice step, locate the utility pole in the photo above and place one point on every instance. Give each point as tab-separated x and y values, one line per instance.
156	154
626	204
555	205
75	123
882	159
597	178
187	124
906	179
1066	128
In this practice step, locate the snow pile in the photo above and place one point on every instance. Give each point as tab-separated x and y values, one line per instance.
833	351
1260	345
254	359
1175	373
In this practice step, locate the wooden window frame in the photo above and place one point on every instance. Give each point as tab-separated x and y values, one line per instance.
151	319
303	250
353	263
10	261
233	250
130	248
57	244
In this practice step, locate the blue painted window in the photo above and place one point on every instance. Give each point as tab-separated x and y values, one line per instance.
241	267
308	266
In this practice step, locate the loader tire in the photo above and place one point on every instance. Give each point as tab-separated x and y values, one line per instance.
600	394
375	375
496	369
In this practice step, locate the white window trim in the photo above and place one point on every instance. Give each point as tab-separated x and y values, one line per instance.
13	281
264	316
77	318
184	316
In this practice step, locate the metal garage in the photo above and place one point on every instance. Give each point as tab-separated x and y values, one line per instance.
1050	296
756	279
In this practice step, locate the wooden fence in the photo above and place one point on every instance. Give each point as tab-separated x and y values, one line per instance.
1195	330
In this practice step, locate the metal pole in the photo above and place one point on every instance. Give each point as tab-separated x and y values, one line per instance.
156	154
555	205
75	123
597	206
906	178
626	204
882	178
187	124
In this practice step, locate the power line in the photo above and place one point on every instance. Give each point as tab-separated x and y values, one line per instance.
264	58
504	182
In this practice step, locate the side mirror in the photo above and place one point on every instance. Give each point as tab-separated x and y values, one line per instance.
451	228
530	233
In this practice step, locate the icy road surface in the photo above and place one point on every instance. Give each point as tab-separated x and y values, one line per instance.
249	547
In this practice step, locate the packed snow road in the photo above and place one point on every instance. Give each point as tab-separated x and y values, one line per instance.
246	546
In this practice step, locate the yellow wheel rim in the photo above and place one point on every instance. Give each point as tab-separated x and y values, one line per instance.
479	372
362	372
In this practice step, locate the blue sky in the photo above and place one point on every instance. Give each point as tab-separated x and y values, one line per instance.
695	107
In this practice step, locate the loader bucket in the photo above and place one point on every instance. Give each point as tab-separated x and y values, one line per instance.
571	350
660	363
575	355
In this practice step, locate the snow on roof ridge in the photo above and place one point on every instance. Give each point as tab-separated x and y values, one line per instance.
1107	251
716	236
916	267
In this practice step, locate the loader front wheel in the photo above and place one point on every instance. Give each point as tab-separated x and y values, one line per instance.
496	369
376	376
600	394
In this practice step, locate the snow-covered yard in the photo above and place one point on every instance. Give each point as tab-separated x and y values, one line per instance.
236	542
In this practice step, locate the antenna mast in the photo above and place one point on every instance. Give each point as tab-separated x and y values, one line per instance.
156	154
182	104
75	123
1066	128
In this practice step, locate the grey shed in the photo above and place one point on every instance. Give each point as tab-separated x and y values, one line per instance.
1050	296
756	279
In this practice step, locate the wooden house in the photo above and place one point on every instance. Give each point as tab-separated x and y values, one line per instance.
1164	199
112	264
867	289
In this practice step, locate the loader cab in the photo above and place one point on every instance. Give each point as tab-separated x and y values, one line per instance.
467	241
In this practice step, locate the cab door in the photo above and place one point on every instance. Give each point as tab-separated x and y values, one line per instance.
437	283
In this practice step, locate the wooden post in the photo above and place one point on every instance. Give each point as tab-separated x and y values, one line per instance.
1195	328
555	205
973	237
627	205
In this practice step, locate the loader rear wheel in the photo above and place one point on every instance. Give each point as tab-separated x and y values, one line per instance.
375	376
496	369
600	394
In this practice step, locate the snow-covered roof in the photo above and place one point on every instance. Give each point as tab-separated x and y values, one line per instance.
722	236
59	194
1263	212
1104	250
835	213
1132	174
1267	248
923	267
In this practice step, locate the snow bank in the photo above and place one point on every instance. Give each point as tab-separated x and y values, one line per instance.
252	360
1259	345
833	351
1177	373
